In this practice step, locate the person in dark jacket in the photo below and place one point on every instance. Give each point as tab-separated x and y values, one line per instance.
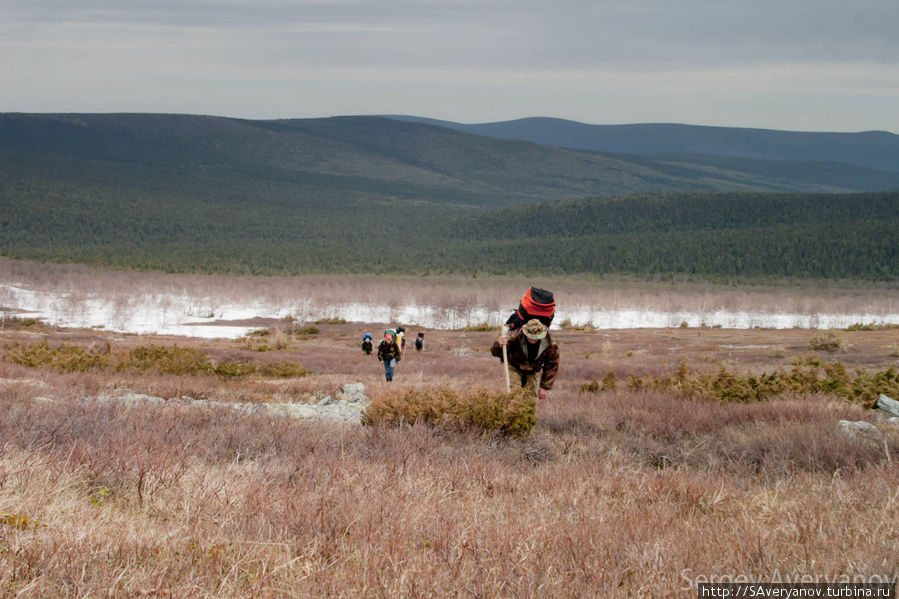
533	357
389	353
367	344
420	341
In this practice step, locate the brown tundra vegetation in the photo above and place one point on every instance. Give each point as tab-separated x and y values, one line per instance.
649	470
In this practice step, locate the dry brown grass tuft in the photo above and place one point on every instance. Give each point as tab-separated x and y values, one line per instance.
828	341
448	408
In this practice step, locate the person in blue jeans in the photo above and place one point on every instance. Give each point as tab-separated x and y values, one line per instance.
389	353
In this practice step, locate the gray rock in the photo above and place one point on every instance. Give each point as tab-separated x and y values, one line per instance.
353	392
347	408
859	428
890	406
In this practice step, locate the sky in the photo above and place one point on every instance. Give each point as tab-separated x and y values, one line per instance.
800	65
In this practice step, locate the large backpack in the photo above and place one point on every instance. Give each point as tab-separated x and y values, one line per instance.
536	303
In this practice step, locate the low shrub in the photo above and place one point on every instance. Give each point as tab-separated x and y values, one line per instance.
480	327
284	369
806	377
881	326
233	368
512	414
609	383
66	358
591	387
330	321
568	326
14	323
161	359
828	341
143	359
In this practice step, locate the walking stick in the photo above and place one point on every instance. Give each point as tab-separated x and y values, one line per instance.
505	333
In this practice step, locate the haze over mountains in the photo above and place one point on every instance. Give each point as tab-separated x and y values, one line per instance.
375	194
874	149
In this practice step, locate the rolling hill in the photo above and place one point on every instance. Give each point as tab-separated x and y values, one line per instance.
872	149
370	194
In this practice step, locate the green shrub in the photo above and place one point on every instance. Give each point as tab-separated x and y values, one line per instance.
330	321
234	368
443	407
282	369
67	358
872	327
164	360
14	323
591	387
479	327
609	381
806	376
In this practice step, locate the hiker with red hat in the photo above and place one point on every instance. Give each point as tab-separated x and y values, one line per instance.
389	353
525	345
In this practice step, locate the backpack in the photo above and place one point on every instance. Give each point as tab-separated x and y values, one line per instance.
536	303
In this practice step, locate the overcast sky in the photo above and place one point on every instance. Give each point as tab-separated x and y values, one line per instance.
809	65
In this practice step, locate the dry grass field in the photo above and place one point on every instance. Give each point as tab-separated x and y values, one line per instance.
631	491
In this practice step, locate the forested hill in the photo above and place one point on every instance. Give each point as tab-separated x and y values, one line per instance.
383	158
366	194
709	234
874	149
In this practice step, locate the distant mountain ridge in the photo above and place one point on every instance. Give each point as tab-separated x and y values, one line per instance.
873	149
408	158
187	193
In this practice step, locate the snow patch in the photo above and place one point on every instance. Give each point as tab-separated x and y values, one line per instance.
173	314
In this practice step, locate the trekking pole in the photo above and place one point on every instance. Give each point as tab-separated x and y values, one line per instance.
505	333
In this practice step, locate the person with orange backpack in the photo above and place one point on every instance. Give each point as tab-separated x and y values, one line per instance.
527	350
536	304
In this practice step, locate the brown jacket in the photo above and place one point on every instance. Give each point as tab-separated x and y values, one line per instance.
388	351
547	357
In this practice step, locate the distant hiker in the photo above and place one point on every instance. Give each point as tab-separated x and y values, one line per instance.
536	304
401	338
389	353
420	341
366	344
531	350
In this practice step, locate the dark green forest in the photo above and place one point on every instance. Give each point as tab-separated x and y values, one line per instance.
203	194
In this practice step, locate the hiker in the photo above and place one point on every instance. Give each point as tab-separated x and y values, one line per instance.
420	341
531	350
536	304
366	344
401	338
389	353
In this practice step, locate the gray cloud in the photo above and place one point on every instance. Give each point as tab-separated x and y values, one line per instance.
804	63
